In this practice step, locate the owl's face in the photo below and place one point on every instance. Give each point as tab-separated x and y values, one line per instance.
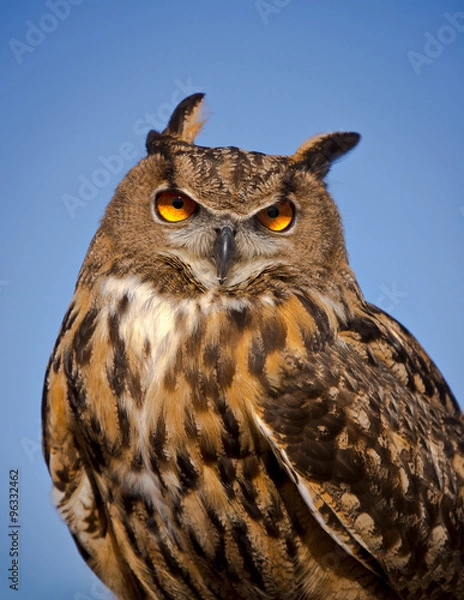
224	219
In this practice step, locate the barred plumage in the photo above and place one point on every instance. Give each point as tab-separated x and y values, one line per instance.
225	416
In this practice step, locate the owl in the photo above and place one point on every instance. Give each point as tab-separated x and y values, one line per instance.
225	416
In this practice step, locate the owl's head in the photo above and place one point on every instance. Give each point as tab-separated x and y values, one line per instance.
190	218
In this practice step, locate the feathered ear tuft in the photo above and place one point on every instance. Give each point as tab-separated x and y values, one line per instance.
185	122
318	153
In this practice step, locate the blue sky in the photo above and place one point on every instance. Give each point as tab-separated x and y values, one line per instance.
81	83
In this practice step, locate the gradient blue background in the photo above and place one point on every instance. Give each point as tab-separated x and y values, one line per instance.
271	81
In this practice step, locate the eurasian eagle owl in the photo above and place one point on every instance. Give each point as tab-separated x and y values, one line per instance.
224	414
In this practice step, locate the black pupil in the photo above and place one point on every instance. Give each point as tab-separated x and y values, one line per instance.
273	212
178	202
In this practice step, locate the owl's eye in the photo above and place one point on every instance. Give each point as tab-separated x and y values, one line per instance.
277	217
174	206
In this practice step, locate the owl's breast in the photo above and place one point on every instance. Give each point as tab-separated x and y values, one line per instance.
166	402
193	372
193	479
185	371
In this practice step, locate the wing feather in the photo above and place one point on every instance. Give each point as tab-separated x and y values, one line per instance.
374	440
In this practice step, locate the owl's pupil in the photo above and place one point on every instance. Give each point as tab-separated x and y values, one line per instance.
273	212
178	203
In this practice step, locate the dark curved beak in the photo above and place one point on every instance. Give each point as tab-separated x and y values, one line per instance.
224	248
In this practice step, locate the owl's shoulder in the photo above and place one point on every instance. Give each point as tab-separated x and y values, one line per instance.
387	346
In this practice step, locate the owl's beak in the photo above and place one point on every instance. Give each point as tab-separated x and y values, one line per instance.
224	248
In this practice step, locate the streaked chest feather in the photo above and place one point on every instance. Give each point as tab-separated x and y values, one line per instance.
184	357
184	446
175	368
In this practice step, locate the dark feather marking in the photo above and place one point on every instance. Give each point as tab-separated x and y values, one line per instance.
225	370
210	355
366	328
292	548
250	467
69	318
273	334
348	467
92	521
129	501
94	452
67	323
228	418
76	389
198	548
123	305
153	571
124	425
371	358
252	510
241	318
256	357
170	380
134	388
177	570
95	425
321	320
117	375
220	559
131	535
272	517
231	436
158	440
216	521
207	450
152	524
275	471
227	475
187	471
81	341
248	552
62	480
249	499
198	387
444	393
177	510
155	467
137	463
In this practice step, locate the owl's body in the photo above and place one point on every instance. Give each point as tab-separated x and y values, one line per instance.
225	417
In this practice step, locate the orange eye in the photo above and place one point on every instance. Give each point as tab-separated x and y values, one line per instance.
277	217
174	206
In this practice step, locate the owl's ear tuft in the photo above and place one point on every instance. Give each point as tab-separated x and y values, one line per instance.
320	151
152	137
186	120
185	123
